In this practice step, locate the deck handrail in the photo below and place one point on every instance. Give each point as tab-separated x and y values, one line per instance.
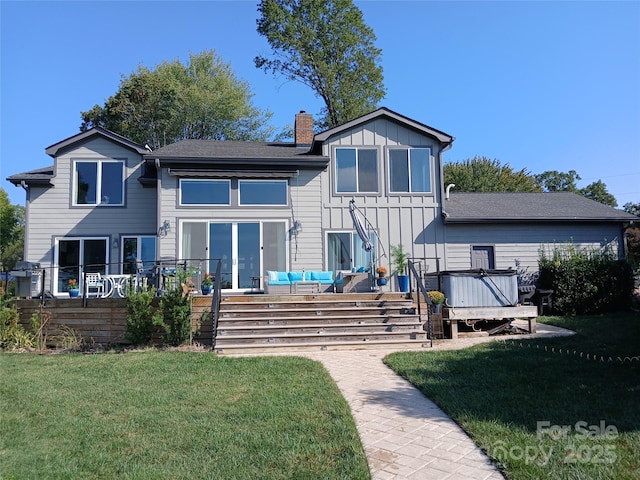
215	303
422	290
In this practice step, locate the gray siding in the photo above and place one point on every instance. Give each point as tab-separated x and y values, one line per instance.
304	192
50	214
408	219
523	242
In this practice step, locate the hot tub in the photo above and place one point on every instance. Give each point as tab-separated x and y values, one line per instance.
480	288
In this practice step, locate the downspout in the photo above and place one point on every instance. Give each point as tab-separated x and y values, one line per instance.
158	204
443	212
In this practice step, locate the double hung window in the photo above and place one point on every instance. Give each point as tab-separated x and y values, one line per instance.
98	182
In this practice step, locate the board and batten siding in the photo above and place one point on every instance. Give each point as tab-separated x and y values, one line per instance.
408	219
51	214
522	242
304	192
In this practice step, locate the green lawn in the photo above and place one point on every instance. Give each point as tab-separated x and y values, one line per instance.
173	415
538	412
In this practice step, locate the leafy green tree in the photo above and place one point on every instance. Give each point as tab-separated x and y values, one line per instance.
598	191
633	235
326	46
481	174
555	181
11	232
632	208
200	100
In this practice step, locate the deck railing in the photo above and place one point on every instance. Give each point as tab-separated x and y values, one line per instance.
422	290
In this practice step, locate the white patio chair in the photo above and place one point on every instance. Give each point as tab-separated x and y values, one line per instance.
94	284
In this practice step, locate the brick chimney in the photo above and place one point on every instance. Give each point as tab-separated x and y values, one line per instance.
303	129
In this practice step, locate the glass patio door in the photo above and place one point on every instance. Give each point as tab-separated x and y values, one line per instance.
76	256
246	249
238	246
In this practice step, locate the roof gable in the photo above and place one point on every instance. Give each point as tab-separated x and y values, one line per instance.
390	115
75	140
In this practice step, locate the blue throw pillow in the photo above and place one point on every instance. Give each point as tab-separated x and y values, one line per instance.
295	276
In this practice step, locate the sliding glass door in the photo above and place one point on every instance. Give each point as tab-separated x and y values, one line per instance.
246	249
75	256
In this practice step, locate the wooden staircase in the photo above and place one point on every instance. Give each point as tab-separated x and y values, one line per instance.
268	323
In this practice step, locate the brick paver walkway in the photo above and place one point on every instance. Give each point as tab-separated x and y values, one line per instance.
404	434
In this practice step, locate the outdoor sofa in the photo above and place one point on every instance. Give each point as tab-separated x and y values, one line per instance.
287	282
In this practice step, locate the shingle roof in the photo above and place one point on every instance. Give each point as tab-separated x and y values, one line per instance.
39	176
68	143
506	207
233	152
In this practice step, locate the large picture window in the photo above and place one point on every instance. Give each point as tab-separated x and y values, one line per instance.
204	192
263	192
410	170
99	182
356	170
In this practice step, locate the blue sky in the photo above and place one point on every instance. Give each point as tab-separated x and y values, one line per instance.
548	85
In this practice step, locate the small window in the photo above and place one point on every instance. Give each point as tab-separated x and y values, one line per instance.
410	170
356	170
99	182
261	192
204	192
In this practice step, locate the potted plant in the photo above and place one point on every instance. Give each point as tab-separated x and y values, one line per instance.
400	260
382	272
72	288
207	284
437	298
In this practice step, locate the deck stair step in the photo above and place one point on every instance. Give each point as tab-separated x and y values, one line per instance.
262	323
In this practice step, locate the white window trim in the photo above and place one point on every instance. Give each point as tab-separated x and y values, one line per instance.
99	162
56	257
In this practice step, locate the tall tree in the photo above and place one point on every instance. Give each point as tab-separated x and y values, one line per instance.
481	174
598	191
200	100
633	234
11	232
555	181
325	45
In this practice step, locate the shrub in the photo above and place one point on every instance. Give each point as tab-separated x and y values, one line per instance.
175	306
143	319
12	334
586	281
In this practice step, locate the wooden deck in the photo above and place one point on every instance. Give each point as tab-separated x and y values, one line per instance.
258	323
